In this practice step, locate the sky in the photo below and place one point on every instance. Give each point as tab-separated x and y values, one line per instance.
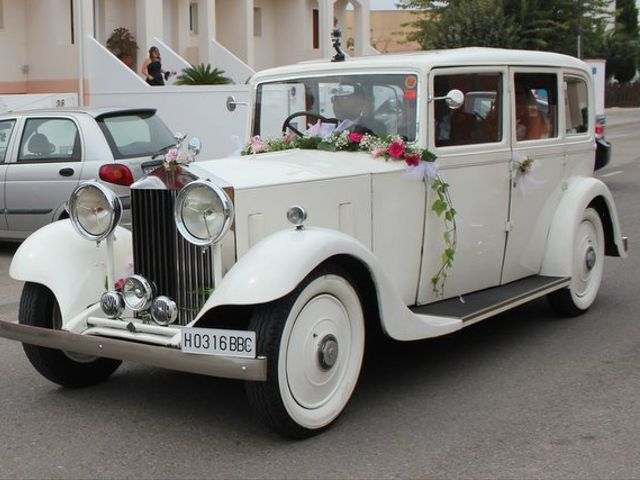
383	4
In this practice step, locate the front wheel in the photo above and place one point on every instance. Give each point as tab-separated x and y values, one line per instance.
587	268
314	342
39	308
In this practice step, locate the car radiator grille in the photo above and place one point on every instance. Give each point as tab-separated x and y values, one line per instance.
180	270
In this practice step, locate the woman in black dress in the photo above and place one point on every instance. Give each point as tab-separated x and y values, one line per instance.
152	68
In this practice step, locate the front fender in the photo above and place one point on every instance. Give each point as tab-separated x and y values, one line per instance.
279	262
580	193
73	268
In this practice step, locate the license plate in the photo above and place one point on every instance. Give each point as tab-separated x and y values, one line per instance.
215	341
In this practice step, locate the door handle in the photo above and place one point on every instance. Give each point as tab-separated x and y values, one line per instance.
66	172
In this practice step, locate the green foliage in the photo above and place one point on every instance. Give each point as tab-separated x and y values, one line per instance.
202	75
122	43
553	25
443	208
462	24
622	57
623	46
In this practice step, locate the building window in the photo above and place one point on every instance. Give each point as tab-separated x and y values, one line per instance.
193	18
257	22
316	28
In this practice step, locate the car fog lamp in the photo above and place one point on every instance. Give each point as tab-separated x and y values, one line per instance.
137	293
112	304
297	215
203	213
95	210
164	311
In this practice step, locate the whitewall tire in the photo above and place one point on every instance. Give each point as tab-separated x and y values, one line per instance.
587	268
314	342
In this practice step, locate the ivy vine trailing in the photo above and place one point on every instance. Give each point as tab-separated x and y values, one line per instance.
420	162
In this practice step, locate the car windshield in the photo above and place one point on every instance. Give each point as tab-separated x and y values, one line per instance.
381	104
135	134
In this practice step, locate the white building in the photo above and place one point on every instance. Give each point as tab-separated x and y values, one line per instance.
44	43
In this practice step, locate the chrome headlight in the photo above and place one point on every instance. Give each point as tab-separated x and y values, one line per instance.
137	293
203	213
95	210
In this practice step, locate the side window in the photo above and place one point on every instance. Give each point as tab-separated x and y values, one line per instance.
576	106
536	105
49	140
479	120
6	127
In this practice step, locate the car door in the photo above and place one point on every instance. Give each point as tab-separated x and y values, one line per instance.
471	143
46	169
538	165
7	128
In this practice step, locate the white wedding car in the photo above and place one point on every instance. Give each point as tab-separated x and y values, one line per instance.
274	267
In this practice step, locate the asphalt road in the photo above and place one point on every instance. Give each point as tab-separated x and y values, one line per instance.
523	395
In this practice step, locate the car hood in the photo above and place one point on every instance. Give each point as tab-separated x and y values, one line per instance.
291	166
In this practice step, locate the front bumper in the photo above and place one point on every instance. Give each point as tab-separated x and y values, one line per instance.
157	356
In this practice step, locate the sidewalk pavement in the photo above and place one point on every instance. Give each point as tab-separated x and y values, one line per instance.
622	116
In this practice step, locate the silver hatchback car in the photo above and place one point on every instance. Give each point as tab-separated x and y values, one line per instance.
45	153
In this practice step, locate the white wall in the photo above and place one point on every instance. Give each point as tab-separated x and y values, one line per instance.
11	103
234	21
194	110
13	39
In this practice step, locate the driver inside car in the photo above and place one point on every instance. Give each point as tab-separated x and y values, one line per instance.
350	102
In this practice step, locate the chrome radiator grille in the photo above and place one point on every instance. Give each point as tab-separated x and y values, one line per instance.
179	270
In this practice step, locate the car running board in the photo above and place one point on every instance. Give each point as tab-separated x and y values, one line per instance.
492	301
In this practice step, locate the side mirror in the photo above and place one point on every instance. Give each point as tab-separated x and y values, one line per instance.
194	146
454	99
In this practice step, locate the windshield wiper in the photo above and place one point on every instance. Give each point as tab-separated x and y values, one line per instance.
162	151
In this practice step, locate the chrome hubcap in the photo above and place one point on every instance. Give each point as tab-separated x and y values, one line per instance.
328	352
590	258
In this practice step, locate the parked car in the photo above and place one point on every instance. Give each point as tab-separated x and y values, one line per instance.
603	147
45	154
275	267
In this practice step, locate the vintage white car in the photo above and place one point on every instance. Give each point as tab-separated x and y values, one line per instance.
413	194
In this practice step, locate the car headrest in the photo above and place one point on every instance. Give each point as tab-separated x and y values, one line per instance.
39	144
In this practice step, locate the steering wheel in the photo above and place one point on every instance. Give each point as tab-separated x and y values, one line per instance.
287	121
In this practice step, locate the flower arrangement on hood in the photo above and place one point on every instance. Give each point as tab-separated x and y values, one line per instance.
421	164
178	155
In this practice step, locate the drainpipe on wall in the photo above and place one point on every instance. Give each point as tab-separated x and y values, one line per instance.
80	36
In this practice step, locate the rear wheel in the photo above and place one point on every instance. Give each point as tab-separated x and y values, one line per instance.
587	270
314	342
39	308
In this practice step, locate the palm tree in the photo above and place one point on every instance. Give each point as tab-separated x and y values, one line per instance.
202	75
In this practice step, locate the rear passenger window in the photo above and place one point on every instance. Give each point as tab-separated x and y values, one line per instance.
536	105
576	106
6	127
479	119
49	140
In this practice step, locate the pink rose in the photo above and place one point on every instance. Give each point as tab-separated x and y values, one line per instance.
412	159
172	155
378	152
258	145
119	284
355	137
397	149
287	138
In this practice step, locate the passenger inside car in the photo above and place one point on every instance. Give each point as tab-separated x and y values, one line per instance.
530	123
350	102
